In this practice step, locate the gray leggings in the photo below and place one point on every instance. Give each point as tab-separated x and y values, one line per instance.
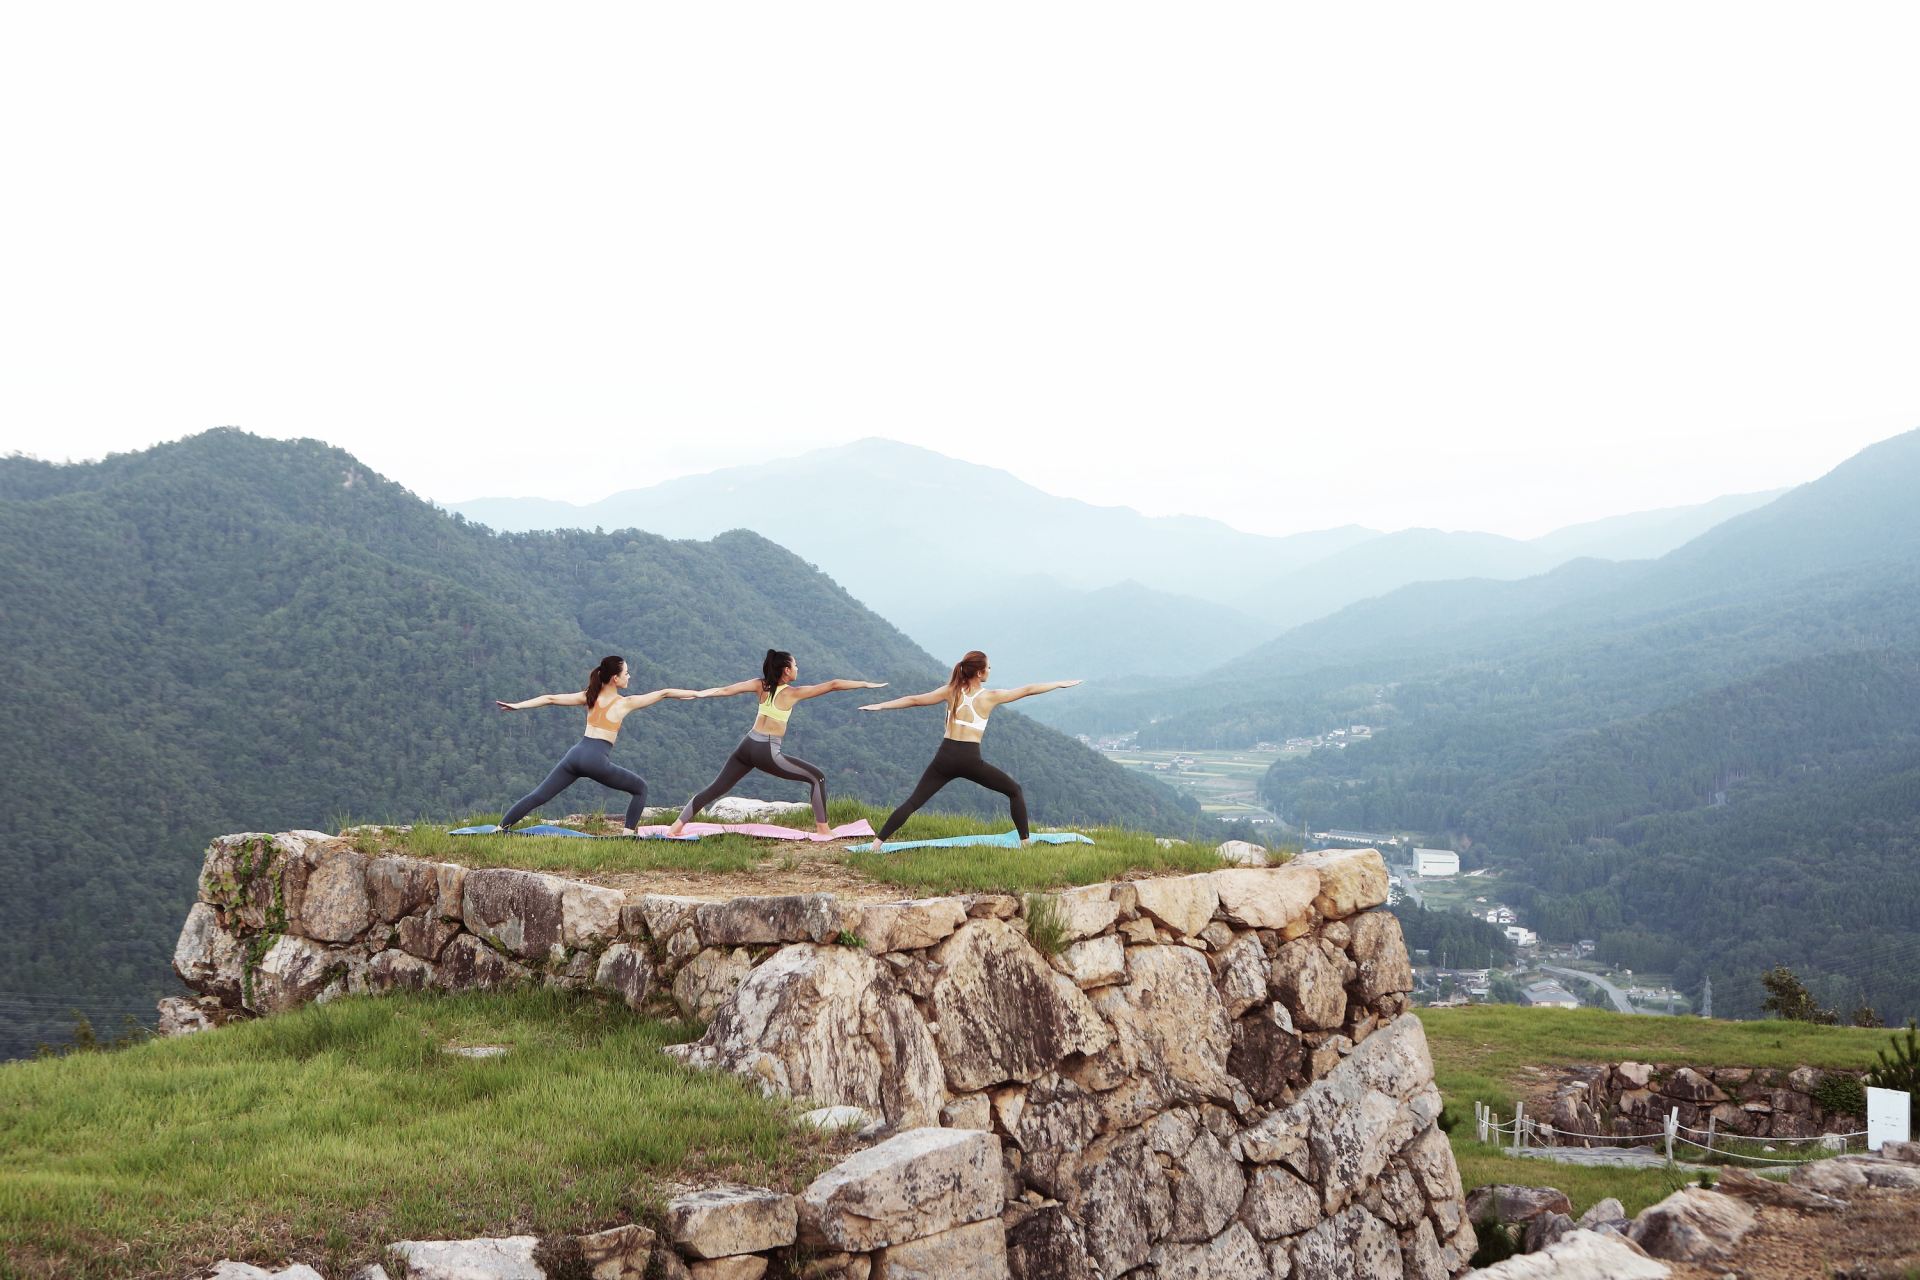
761	751
590	758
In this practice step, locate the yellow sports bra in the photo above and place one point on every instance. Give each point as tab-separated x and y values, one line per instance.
772	712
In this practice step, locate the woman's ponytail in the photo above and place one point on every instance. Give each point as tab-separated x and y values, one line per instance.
965	671
602	675
773	667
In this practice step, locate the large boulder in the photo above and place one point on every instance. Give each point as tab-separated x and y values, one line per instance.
916	1184
1380	950
468	964
1182	903
1513	1205
207	957
291	973
505	1258
1002	1013
518	911
334	905
1048	1244
832	1025
1168	1021
1243	975
1207	1190
1271	898
1086	911
910	926
1351	1243
398	887
977	1251
1693	1225
805	917
1309	974
1581	1255
1368	1108
720	1222
1118	1192
1232	1255
626	971
708	981
1350	880
1267	1054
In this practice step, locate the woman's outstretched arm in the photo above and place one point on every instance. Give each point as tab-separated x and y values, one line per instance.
1029	690
802	692
730	690
926	699
545	700
640	700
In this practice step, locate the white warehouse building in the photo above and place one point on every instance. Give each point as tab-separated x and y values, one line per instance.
1436	862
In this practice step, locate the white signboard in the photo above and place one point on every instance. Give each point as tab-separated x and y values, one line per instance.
1889	1116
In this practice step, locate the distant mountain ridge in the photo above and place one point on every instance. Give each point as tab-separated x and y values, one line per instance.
962	555
229	633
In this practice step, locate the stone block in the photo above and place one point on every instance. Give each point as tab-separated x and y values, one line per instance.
1273	898
720	1222
1185	904
1002	1013
910	926
805	917
916	1184
977	1251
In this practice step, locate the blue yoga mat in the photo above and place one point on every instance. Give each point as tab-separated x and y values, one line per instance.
1005	840
548	829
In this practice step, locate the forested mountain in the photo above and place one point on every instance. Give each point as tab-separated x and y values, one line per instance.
1710	761
967	556
231	633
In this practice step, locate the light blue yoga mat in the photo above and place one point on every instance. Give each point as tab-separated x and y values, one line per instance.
548	829
1005	840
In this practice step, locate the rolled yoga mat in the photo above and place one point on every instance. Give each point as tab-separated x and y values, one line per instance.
1005	840
692	831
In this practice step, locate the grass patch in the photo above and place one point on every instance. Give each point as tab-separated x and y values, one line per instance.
1484	1052
1481	1164
1046	924
1115	854
323	1134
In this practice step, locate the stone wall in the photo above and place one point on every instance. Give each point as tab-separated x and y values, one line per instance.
1634	1098
1212	1075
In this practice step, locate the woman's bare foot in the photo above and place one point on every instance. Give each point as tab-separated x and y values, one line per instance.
674	830
628	831
822	829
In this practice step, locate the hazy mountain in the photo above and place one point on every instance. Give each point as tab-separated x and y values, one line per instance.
950	550
1647	535
230	633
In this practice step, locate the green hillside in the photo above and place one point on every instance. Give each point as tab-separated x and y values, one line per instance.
231	633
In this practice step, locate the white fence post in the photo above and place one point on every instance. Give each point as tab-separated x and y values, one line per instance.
1519	1122
1711	1122
1673	1122
1480	1121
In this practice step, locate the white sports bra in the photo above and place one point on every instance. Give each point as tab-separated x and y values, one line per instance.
974	719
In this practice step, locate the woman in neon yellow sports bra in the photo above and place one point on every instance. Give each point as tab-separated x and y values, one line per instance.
969	703
760	749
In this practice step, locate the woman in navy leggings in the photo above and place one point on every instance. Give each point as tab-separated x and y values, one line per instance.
592	756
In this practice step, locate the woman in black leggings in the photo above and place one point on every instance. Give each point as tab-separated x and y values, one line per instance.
969	703
760	749
592	756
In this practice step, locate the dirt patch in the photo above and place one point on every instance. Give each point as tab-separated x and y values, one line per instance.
803	868
1877	1237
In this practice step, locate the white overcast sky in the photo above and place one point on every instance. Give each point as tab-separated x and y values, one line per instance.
1495	266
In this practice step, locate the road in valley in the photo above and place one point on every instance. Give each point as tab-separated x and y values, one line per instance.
1614	993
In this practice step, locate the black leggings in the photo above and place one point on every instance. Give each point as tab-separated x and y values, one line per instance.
761	751
590	758
956	759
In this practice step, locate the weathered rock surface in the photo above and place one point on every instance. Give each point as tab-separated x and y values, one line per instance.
293	972
806	917
1086	911
1118	1192
1047	1244
207	957
1350	880
506	1258
469	964
1380	951
1693	1225
1002	1013
1583	1255
977	1251
910	926
1509	1204
626	971
618	1253
1097	962
246	1271
1208	1185
1309	974
832	1025
1353	1243
1233	1255
1267	899
1243	853
1169	1021
1183	903
709	980
335	906
518	911
914	1185
722	1221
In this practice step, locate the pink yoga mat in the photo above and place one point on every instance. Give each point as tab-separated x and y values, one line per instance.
765	830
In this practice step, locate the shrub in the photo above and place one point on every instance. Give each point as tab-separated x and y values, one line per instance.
1838	1094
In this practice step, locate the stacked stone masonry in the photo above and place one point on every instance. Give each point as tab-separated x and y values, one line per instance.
1635	1097
1216	1075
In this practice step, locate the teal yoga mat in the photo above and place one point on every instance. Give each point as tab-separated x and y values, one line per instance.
1005	840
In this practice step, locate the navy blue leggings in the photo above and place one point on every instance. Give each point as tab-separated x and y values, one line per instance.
956	759
590	758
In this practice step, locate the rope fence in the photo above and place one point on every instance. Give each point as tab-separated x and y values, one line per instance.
1519	1131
